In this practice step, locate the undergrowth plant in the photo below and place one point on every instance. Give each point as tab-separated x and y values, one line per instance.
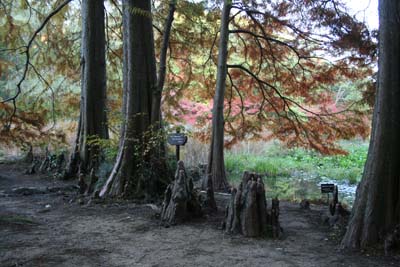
295	173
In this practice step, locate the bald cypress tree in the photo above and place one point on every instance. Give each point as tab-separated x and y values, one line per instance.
376	209
93	118
136	171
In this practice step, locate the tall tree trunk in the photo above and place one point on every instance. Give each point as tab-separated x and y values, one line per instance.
93	118
162	69
156	115
377	206
130	175
216	164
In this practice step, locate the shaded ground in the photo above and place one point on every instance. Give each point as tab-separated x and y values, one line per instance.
128	234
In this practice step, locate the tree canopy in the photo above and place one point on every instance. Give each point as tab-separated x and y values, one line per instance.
287	62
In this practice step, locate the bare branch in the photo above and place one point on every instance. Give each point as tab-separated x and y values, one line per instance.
27	60
286	100
116	6
53	115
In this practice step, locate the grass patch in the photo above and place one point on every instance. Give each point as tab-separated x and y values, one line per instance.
295	173
282	162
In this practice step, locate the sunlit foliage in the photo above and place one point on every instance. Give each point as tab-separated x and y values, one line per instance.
287	63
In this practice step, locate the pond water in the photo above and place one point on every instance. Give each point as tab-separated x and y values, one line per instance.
307	186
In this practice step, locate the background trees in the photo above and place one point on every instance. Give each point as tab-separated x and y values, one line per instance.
282	75
192	68
376	210
277	68
30	58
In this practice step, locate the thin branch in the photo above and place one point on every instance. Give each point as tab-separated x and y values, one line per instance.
158	29
117	7
165	45
27	60
268	38
286	99
53	115
211	49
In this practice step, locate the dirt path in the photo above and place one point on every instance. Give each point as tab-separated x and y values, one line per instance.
127	234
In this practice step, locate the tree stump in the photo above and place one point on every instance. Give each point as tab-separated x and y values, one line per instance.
82	184
274	219
93	181
392	241
29	155
305	204
31	169
46	162
60	163
337	215
180	200
247	213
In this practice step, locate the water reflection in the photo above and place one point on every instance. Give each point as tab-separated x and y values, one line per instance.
305	186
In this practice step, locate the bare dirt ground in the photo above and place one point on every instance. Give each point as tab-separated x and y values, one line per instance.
67	233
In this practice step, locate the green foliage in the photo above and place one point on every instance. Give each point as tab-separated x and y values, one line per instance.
138	11
103	173
270	166
171	163
49	93
295	173
108	147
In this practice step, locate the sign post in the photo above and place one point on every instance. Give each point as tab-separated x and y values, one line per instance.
177	152
177	139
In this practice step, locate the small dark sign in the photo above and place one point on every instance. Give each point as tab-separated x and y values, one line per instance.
177	139
327	188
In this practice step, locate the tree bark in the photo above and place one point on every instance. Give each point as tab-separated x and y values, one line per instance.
216	164
162	69
156	114
73	164
180	200
247	213
376	210
132	174
93	116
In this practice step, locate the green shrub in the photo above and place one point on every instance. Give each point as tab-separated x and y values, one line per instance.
294	173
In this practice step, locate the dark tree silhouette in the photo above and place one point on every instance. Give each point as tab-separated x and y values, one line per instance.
93	118
216	163
376	210
135	171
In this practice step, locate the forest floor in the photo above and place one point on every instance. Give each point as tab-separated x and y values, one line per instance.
47	226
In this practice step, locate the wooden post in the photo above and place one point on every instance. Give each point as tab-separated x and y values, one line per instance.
177	152
177	147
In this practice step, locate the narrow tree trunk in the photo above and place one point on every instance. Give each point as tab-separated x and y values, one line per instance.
73	164
130	175
156	115
376	210
29	155
162	69
216	164
93	118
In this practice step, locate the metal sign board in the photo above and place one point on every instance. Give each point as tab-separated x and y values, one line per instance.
327	188
177	139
